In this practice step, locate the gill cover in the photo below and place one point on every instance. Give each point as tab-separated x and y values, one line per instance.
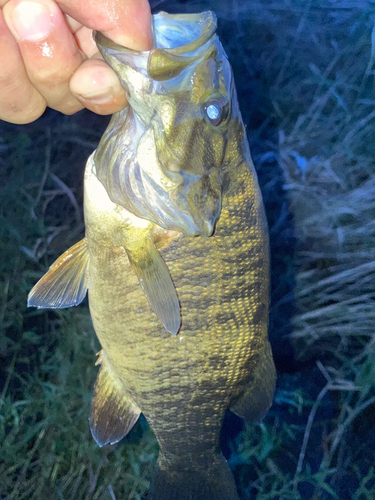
162	157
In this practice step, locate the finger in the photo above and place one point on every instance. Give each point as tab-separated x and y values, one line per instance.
127	22
74	25
20	102
97	87
48	48
86	42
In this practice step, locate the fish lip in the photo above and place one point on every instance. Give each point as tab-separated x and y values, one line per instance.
203	228
206	20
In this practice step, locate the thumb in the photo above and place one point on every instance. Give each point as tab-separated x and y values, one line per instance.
126	22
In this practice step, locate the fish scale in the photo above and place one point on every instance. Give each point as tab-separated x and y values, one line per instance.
239	338
175	259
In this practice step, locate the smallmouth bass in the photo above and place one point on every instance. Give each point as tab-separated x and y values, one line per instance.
175	258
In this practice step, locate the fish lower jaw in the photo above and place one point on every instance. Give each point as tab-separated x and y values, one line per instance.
192	229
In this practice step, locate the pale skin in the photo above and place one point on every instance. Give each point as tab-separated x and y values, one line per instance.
49	57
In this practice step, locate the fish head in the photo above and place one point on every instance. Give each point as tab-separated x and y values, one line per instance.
181	95
191	132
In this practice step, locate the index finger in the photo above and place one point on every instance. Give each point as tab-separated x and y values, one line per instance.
20	102
126	22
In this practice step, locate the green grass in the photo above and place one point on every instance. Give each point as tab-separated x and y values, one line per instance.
48	375
313	67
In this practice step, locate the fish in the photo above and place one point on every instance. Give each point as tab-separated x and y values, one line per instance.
175	259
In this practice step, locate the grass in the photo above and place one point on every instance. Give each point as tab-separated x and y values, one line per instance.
304	72
330	187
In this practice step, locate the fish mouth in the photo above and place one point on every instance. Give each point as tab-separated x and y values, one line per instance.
179	40
205	229
183	33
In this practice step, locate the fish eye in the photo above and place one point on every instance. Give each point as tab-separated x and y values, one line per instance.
215	112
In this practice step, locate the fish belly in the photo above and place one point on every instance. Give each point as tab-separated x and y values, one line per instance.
183	384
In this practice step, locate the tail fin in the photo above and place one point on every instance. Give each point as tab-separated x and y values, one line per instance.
216	483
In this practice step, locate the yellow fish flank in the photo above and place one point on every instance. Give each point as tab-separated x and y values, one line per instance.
175	259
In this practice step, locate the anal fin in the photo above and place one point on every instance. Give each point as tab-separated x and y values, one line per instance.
255	401
66	282
113	413
156	282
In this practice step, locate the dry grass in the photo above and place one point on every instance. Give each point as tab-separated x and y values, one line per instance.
327	159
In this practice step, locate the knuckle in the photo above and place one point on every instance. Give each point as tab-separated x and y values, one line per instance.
63	101
9	82
19	102
31	115
14	113
51	78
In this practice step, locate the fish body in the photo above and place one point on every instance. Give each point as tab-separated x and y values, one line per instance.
175	258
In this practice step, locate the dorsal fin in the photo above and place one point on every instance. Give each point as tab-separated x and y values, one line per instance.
113	413
66	282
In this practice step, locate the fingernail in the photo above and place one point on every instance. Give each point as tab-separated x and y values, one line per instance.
101	97
32	21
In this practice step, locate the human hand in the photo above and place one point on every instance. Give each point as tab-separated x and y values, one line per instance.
49	58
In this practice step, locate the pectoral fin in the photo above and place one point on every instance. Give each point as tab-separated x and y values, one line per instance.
66	282
156	282
113	413
255	401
